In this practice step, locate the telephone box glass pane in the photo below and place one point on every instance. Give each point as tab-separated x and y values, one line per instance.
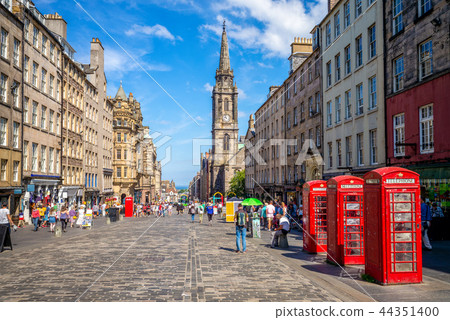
403	267
352	206
403	226
402	197
402	216
404	246
402	207
403	237
404	256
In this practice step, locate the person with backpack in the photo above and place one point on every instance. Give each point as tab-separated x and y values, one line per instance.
210	212
192	212
241	220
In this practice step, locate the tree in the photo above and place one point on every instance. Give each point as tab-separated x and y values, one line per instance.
237	184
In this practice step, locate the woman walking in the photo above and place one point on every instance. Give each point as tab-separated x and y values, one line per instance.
35	215
52	219
63	218
201	211
72	216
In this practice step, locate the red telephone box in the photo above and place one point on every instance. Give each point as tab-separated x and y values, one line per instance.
129	206
315	216
345	220
393	225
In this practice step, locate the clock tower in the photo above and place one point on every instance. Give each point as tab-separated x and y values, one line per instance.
225	128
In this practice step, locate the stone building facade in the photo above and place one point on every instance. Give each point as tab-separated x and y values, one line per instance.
42	101
351	41
417	86
11	128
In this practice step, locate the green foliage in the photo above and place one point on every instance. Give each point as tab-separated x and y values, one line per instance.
237	184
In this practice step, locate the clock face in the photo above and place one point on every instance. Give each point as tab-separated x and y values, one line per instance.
226	118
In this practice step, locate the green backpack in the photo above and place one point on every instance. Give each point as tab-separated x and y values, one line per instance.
241	218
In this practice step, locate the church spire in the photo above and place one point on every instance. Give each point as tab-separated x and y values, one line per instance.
224	64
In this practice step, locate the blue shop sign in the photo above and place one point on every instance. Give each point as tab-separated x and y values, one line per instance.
30	188
17	191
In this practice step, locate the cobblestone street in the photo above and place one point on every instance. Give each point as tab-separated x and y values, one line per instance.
167	259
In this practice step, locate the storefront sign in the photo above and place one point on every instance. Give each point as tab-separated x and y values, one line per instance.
30	188
64	195
320	189
17	191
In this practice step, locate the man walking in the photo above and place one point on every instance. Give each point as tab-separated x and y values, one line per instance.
210	212
283	228
426	223
241	219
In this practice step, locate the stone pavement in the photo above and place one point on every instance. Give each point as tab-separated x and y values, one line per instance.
170	259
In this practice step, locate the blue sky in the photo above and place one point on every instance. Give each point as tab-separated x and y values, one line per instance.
177	42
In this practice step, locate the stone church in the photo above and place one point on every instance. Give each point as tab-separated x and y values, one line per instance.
227	156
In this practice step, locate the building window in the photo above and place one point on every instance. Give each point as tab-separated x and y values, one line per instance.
348	60
52	52
50	120
15	94
337	64
398	74
125	169
25	155
346	14
34	157
318	137
328	74
43	117
16	52
424	6
226	142
373	146
58	85
3	131
119	137
330	154
4	44
119	172
358	52
399	134
4	88
16	171
339	152
4	166
44	81
124	137
348	104
58	120
288	119
26	69
311	106
51	89
348	151
50	159
58	152
26	106
397	16
43	158
295	117
26	29
317	98
425	59
372	92
35	37
329	113
358	8
16	128
337	104
44	45
337	25
372	42
359	99
360	149
125	154
34	75
302	111
426	129
328	34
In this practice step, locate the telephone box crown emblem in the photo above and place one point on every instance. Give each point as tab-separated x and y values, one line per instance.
321	184
351	181
400	174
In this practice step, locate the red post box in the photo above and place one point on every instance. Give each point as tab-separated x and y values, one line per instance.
315	216
345	220
393	226
129	206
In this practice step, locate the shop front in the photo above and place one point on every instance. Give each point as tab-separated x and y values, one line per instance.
39	189
72	195
91	197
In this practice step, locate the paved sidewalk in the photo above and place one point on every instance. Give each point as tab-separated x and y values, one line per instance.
171	259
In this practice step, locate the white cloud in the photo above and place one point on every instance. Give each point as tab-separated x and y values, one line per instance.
270	25
157	30
119	61
208	87
266	66
242	94
242	114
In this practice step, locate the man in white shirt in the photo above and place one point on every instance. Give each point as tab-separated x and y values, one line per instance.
270	211
282	229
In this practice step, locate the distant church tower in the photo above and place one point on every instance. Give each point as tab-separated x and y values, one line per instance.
225	128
